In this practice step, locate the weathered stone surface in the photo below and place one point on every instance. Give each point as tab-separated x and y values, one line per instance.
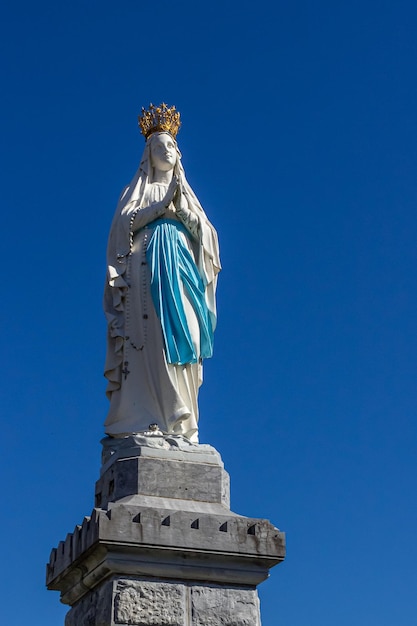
132	601
163	478
95	609
162	547
143	603
220	606
131	540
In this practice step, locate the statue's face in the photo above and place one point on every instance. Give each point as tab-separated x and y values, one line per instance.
163	152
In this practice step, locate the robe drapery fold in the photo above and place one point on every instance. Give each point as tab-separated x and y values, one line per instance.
173	269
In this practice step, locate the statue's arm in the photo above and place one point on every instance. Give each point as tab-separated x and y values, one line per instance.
142	217
189	219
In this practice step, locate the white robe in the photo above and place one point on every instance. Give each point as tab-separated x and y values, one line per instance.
143	388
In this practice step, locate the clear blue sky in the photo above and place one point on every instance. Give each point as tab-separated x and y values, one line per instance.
300	138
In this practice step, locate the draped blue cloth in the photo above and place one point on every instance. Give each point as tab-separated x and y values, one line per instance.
173	266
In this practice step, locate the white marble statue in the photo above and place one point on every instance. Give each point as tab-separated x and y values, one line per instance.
163	261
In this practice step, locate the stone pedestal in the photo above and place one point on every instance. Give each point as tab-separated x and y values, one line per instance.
161	547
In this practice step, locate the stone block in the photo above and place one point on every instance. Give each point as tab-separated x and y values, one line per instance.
133	601
149	603
95	609
220	606
163	478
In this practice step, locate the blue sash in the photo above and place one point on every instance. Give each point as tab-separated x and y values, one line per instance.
170	262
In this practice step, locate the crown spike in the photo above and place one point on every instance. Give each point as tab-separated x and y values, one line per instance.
159	119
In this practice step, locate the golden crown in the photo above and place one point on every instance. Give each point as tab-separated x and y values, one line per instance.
158	119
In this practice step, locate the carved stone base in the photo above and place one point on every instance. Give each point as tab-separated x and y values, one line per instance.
129	601
162	547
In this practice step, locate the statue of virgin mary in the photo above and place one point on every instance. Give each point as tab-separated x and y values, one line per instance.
159	300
